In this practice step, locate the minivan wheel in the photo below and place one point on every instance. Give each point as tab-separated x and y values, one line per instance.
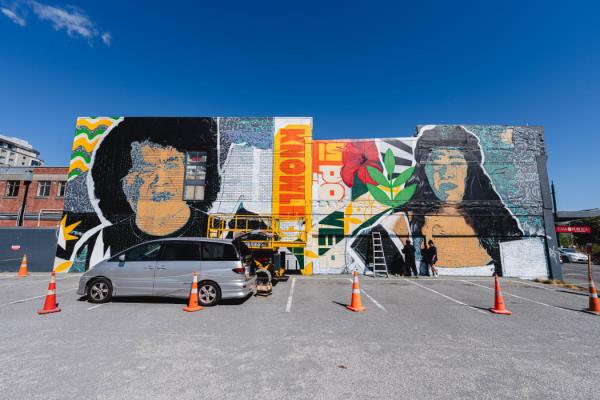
99	291
209	294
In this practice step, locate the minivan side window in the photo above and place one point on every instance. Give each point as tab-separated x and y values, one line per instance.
145	252
218	252
180	251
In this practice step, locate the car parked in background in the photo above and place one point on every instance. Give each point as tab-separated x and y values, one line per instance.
571	255
166	267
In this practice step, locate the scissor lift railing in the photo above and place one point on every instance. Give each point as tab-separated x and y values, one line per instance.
279	231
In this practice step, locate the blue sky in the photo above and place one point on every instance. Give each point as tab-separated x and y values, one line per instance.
359	68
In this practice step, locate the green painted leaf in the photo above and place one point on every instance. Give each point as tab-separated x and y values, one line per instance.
379	195
358	188
405	195
377	176
390	162
403	177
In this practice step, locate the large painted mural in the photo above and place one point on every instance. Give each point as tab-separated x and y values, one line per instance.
474	191
467	189
137	179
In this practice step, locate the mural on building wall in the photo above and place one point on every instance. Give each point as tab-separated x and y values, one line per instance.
142	182
245	165
461	187
137	179
473	190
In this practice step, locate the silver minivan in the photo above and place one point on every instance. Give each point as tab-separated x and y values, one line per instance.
166	267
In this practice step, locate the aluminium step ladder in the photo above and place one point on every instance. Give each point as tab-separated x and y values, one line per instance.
379	262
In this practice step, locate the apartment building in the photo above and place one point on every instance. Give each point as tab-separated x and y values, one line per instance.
18	153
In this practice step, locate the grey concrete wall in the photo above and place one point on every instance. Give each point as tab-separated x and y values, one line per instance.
38	243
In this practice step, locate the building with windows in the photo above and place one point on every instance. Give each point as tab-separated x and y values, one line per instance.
18	153
32	196
479	192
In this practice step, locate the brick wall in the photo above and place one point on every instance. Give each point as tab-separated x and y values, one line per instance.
36	201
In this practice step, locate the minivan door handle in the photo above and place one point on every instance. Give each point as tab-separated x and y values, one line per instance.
149	268
161	267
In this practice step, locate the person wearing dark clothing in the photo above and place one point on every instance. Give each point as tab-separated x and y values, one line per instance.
432	260
409	256
425	260
396	265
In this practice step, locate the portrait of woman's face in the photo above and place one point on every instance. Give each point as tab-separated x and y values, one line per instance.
446	172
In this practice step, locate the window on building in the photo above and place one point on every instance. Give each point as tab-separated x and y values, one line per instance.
195	175
35	163
12	188
44	188
62	188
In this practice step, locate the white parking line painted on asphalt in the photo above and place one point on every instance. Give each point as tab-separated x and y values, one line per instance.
448	297
36	297
96	306
288	307
370	298
519	297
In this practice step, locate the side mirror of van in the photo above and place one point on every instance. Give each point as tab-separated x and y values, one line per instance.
122	258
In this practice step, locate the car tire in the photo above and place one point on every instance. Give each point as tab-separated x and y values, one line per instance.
99	291
209	293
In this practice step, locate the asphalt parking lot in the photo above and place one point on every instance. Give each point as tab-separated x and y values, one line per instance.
419	338
577	273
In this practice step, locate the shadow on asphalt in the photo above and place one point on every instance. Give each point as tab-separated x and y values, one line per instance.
339	304
166	300
576	293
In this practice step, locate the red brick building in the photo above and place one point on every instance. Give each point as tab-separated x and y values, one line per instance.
32	196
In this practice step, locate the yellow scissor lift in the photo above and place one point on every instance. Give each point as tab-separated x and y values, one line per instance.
264	235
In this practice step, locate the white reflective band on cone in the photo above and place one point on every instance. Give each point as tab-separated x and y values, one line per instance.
355	291
194	290
51	292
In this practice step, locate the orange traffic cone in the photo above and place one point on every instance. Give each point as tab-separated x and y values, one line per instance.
594	303
50	305
356	303
23	269
193	302
499	300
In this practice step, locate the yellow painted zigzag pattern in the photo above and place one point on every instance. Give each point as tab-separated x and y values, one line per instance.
88	133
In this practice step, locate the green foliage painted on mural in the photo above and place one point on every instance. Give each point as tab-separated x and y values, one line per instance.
389	183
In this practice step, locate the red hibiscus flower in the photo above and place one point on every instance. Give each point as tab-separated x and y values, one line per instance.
356	156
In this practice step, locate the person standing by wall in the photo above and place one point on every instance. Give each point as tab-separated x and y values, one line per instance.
409	256
425	259
432	260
